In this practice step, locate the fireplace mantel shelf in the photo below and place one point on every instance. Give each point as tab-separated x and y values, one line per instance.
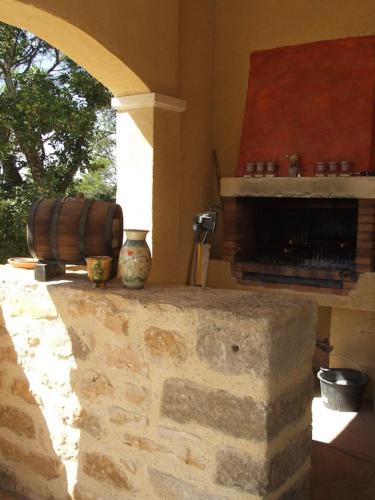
299	187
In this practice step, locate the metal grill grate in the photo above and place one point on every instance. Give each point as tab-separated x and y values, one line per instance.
308	233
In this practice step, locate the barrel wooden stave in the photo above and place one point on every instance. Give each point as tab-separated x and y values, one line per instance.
68	230
41	229
95	228
75	236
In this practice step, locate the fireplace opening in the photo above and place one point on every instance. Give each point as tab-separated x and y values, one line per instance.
311	241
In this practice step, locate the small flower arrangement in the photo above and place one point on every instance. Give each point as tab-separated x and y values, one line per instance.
294	164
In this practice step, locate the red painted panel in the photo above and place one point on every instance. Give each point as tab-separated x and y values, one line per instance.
316	100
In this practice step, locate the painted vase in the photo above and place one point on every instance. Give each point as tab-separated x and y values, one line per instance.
135	259
99	269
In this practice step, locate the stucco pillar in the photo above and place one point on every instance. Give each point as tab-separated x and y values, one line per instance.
148	174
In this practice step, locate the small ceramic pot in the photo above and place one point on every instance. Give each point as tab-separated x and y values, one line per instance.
345	168
259	169
99	269
332	169
271	169
135	259
249	169
320	169
293	170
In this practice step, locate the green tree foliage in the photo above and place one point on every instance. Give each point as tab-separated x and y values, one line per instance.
13	217
55	128
99	182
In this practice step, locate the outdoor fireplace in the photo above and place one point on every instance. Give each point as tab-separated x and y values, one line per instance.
299	231
295	240
305	230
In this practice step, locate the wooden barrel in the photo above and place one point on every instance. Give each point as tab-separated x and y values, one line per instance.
67	230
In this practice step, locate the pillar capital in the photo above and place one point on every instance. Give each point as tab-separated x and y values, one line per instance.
149	100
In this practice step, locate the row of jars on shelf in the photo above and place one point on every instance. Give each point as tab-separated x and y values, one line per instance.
261	169
333	168
321	169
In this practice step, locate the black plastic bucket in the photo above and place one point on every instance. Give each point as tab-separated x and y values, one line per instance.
342	388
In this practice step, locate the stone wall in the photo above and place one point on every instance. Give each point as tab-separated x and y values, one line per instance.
172	393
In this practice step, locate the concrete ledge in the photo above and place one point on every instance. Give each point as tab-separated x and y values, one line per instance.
299	187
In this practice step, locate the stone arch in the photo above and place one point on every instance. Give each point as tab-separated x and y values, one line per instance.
148	129
83	48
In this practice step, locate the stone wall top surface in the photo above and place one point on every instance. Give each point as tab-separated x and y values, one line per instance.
273	307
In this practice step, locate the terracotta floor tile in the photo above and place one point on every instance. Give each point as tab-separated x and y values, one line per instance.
343	457
369	491
7	496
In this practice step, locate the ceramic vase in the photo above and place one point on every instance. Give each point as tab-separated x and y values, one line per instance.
99	269
135	259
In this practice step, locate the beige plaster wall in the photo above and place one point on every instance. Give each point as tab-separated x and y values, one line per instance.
196	86
353	340
242	26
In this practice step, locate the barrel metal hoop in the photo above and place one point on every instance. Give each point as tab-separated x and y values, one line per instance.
53	230
82	228
30	227
108	228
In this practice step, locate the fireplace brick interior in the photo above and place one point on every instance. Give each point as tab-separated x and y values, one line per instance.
317	242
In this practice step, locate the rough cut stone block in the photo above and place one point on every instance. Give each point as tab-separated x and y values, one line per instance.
8	354
177	449
81	493
7	480
136	395
143	443
169	487
236	469
300	490
17	421
102	469
42	465
127	358
186	401
89	423
289	406
106	313
259	340
165	343
80	349
21	389
117	324
92	384
121	416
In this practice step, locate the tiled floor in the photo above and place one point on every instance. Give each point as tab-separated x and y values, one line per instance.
7	496
343	458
